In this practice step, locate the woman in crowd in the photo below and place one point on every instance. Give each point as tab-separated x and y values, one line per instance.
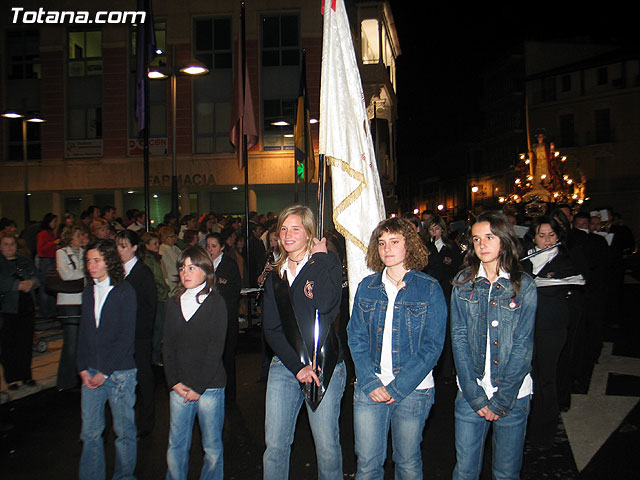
46	246
444	263
18	281
70	266
301	302
100	229
228	283
493	307
194	338
106	363
396	332
556	278
170	253
152	258
141	279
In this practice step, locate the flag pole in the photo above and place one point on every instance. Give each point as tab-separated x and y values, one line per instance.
320	201
243	136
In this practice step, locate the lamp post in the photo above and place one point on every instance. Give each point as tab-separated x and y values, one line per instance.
25	118
193	68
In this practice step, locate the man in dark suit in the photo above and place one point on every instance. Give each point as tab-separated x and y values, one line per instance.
141	279
228	282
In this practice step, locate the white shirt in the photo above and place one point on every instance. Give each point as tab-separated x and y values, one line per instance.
290	275
439	243
217	261
188	302
129	264
100	293
386	375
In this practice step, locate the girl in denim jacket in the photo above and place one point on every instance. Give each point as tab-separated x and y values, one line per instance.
493	308
396	333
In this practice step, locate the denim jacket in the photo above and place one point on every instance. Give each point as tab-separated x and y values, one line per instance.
419	325
476	304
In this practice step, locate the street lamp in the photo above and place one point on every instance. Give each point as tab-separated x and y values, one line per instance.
25	118
193	68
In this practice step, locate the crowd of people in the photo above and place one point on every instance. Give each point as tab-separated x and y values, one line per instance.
511	308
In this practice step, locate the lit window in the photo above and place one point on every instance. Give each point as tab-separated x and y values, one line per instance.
370	41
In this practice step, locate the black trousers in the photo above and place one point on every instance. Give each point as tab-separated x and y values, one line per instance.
145	401
545	409
16	341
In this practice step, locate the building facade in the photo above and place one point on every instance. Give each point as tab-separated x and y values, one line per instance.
80	76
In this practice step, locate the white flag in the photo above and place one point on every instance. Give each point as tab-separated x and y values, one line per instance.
345	141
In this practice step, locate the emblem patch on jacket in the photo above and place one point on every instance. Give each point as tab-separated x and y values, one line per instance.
222	281
308	289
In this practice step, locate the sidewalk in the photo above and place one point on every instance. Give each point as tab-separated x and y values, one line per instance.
44	366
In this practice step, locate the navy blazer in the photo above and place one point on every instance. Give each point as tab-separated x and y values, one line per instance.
109	347
141	279
229	283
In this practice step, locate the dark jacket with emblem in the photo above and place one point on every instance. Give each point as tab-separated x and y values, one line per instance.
317	286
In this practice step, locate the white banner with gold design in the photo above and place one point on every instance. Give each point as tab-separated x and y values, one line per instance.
345	141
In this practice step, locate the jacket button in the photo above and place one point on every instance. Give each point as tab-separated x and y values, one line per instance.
495	362
495	382
495	342
495	323
379	329
384	308
378	349
494	303
497	286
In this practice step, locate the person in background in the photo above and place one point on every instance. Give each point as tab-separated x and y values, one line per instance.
556	279
106	363
194	335
47	244
396	333
99	229
70	266
189	239
493	307
444	262
139	222
228	284
18	281
169	252
152	258
141	279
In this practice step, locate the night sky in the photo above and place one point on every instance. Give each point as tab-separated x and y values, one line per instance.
445	45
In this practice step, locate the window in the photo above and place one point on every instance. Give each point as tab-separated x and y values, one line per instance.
549	89
370	40
213	42
34	145
278	137
602	126
280	40
213	92
567	130
566	83
603	76
84	85
23	54
157	88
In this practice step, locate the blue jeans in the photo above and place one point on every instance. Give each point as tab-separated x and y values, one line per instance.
371	422
284	399
508	440
210	411
120	391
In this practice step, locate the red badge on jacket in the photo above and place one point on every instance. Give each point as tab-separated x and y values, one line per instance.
308	289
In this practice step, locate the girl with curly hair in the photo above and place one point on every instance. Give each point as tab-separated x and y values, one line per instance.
396	333
106	362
